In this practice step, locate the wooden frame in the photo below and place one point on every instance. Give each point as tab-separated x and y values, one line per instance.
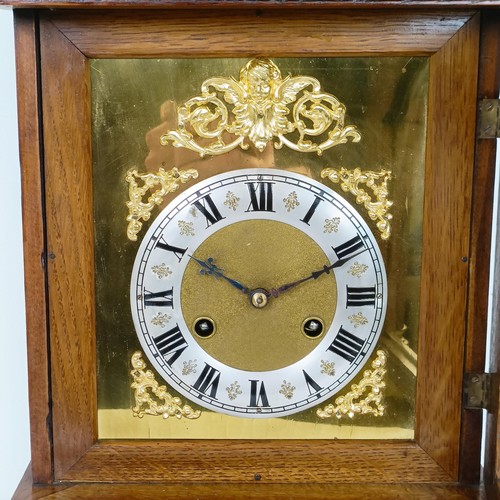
59	227
255	4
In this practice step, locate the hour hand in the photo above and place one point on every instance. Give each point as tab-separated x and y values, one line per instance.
208	267
314	275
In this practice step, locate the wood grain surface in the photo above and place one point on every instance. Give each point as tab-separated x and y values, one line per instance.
221	461
446	232
486	155
68	171
255	491
221	4
34	246
481	224
274	33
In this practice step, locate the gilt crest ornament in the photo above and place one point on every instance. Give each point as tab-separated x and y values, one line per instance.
259	107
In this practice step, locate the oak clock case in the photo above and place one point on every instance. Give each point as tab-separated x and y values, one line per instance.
240	226
111	85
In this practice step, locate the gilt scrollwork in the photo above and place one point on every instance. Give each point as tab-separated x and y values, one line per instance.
363	398
353	180
152	398
165	182
257	108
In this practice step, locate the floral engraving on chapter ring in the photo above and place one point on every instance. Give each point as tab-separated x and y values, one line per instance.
233	391
358	319
160	319
189	367
287	389
232	201
357	269
161	271
331	225
291	201
186	228
328	368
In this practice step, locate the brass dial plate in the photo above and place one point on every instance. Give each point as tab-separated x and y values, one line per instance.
131	99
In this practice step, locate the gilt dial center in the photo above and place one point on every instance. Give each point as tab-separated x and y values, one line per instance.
257	331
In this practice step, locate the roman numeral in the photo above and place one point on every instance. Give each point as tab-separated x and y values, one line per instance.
312	385
258	396
364	296
207	207
311	210
346	345
208	381
178	252
349	247
159	299
171	343
261	197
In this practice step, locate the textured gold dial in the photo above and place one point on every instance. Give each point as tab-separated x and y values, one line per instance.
259	254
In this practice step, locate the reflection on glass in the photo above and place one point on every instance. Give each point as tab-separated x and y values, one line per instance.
134	103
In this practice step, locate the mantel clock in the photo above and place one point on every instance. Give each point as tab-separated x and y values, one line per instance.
265	239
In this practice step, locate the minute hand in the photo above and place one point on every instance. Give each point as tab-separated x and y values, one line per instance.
314	275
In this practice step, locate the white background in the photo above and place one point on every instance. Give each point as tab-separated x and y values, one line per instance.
14	428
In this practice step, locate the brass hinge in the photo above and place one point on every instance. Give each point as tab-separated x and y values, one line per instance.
489	119
478	390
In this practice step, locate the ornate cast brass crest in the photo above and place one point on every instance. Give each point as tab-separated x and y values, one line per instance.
257	108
